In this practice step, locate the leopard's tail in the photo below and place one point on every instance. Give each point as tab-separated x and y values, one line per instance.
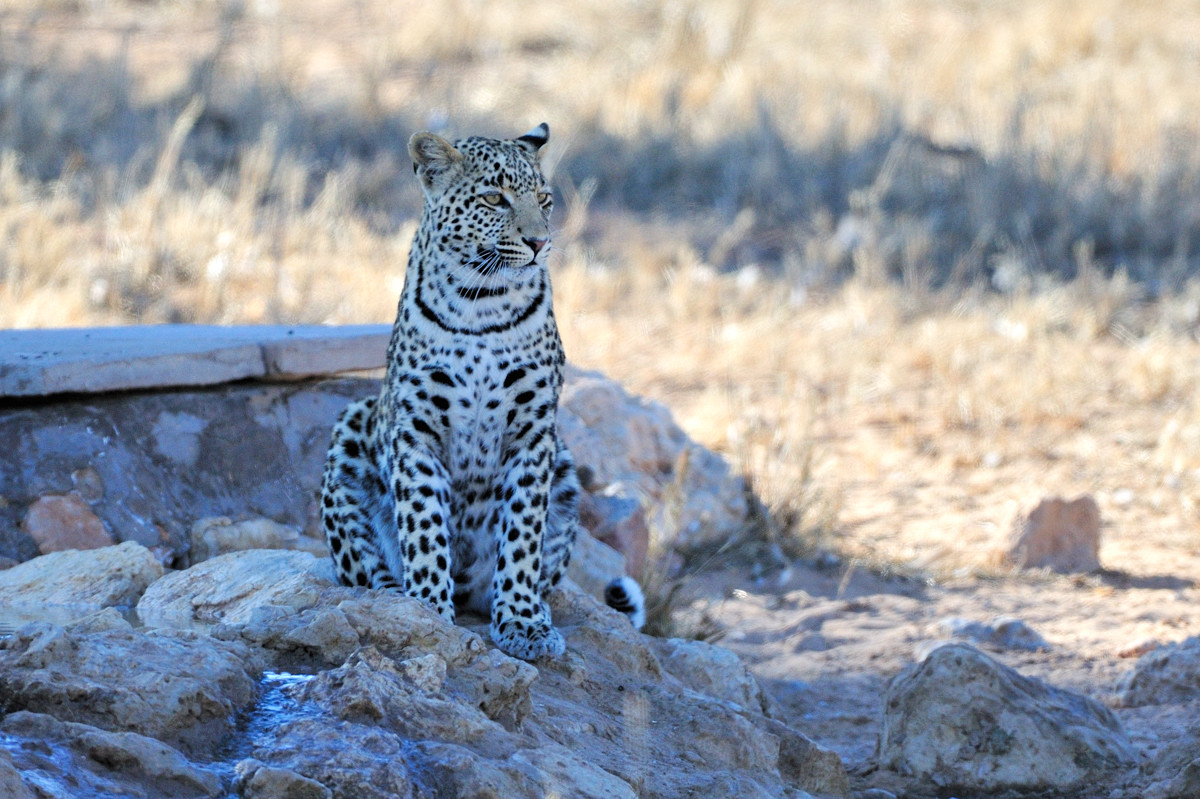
625	595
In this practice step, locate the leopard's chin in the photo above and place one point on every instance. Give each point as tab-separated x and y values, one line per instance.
522	270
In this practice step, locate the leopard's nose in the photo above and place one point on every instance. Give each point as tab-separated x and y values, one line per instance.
536	244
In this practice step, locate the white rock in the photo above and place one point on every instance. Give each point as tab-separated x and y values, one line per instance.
416	706
76	582
218	535
229	587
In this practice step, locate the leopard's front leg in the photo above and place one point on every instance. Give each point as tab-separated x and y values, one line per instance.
421	488
521	624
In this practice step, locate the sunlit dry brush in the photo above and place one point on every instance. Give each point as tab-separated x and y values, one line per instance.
907	264
927	141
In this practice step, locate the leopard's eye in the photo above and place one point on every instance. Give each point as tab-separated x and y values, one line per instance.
545	198
493	198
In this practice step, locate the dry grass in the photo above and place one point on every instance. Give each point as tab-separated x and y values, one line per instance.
909	264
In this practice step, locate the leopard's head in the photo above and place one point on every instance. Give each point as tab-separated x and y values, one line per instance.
487	203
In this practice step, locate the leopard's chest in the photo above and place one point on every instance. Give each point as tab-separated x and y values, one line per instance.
483	408
477	422
480	397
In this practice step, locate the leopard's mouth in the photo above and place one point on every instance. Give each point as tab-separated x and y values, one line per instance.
496	261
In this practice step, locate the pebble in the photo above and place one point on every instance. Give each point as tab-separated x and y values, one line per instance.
1139	648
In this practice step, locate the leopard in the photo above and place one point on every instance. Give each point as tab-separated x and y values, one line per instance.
452	485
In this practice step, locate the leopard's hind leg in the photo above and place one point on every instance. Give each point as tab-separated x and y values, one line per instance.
622	593
353	500
562	521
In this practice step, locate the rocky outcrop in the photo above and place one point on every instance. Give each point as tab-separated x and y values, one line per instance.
381	698
962	720
256	674
180	687
399	703
81	760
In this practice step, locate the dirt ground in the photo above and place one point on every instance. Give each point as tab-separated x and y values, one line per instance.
923	507
924	437
826	636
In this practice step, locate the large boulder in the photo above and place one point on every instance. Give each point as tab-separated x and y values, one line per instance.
1166	675
228	588
630	446
271	597
287	605
960	719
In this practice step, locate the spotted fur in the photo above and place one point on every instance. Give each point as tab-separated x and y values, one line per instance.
452	485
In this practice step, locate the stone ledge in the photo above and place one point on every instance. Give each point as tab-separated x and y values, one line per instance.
37	363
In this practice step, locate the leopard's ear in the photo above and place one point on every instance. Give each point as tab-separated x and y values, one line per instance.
535	139
434	160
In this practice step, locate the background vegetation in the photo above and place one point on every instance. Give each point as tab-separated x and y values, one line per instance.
908	262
